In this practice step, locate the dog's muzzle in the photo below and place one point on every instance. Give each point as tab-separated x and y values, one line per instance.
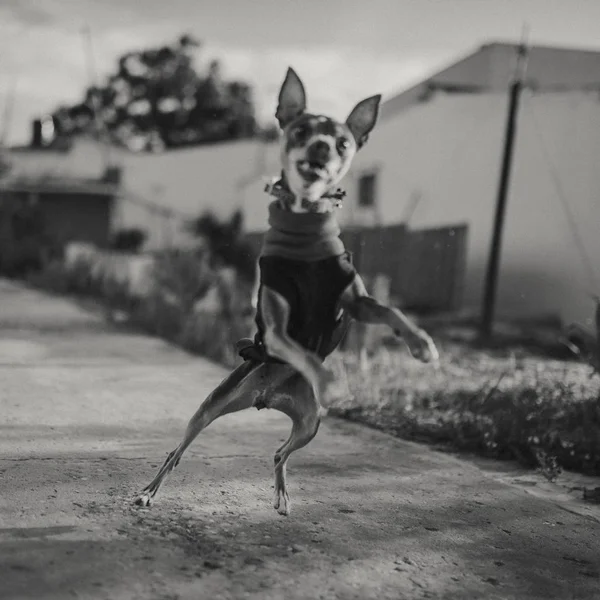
319	153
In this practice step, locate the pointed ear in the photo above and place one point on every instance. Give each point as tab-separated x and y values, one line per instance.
362	119
292	99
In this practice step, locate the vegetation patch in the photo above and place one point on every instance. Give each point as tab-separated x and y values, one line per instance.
501	404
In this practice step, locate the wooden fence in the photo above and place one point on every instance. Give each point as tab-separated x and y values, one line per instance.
426	267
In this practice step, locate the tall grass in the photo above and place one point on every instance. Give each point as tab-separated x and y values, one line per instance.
173	309
541	412
544	413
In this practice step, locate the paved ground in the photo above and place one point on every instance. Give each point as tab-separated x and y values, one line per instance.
87	414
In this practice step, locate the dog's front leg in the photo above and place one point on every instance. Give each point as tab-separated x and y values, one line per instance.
364	308
276	313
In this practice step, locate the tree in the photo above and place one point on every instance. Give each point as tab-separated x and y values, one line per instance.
226	242
156	99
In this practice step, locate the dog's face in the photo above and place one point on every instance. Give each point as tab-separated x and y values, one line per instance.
316	150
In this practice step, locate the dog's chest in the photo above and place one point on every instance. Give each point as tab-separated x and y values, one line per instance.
313	291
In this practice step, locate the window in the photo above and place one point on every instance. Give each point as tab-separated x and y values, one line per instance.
366	191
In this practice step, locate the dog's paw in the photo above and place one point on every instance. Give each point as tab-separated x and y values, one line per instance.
144	499
422	347
259	403
282	503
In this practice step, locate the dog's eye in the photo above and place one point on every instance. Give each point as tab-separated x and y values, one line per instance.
343	144
299	134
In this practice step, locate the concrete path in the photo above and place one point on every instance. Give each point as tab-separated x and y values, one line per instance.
89	413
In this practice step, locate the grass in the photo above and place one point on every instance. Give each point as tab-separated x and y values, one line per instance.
506	402
543	413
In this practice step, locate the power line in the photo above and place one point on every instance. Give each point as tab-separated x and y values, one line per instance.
101	128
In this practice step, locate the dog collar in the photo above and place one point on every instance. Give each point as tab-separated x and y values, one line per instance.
278	190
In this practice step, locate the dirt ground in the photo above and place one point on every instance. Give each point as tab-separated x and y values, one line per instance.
89	413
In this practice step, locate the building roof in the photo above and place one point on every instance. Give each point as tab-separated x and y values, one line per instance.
489	69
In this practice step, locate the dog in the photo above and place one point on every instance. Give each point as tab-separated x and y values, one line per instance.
308	290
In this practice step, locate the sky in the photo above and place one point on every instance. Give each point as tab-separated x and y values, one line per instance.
344	50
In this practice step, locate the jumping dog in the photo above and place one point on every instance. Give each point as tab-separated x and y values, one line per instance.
309	289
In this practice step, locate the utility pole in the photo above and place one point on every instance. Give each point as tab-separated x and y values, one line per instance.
93	79
491	279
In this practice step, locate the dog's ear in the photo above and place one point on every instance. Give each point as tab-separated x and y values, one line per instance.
292	99
362	119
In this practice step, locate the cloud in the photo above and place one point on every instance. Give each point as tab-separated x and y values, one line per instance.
49	62
44	50
28	13
335	77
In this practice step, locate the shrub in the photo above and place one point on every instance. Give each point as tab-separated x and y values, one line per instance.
542	413
182	278
128	240
226	243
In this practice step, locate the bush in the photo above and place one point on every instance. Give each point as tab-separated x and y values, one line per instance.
542	413
227	245
128	240
53	278
182	278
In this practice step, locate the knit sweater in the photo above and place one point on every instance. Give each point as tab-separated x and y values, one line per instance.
302	236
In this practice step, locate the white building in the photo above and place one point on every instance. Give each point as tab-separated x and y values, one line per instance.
432	161
436	157
181	183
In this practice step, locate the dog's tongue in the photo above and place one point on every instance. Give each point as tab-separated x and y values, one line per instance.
311	170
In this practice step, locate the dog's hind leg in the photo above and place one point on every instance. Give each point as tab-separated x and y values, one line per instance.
305	413
234	393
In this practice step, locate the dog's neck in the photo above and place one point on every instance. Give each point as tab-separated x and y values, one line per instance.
280	190
308	236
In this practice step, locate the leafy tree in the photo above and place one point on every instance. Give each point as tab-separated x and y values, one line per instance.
226	242
156	99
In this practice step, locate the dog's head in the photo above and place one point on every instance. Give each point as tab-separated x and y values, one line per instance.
317	150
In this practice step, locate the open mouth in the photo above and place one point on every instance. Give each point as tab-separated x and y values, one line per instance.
311	170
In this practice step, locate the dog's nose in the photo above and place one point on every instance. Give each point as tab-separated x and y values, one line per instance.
318	152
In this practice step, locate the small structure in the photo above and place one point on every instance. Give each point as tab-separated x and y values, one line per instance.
431	170
433	162
70	208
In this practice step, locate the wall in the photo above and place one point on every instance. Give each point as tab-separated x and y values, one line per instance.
445	152
188	181
84	160
448	151
185	181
